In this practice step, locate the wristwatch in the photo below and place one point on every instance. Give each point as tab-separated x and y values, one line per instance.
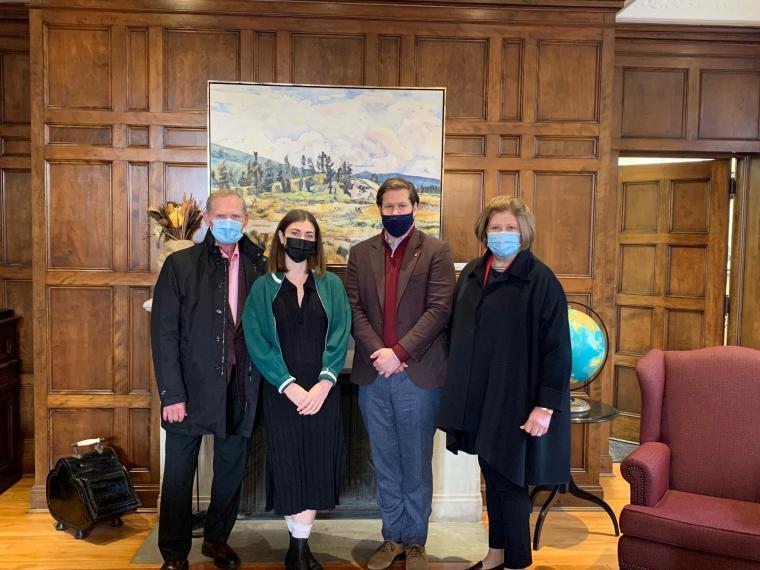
547	410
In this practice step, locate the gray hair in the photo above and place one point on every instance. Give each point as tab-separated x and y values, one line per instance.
214	196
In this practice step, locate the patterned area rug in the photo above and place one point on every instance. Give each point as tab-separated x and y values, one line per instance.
347	540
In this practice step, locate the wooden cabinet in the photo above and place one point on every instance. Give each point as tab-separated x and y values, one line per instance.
10	428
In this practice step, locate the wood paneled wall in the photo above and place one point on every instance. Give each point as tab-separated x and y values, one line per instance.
16	204
118	122
688	91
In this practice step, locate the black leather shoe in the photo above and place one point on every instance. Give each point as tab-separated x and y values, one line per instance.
176	565
479	566
296	558
223	555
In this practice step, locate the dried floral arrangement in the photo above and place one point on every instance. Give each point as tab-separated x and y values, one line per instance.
176	221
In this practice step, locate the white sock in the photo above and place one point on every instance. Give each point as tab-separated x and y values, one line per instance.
289	522
301	530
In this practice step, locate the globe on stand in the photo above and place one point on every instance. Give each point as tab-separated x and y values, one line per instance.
590	342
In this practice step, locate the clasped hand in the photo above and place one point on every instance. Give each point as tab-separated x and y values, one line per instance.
386	362
309	402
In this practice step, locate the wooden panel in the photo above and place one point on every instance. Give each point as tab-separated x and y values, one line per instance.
462	202
458	145
18	296
461	67
13	146
17	217
568	81
729	105
389	55
627	391
563	242
191	58
139	445
687	271
511	80
137	69
684	330
565	147
326	60
637	269
72	425
636	337
654	103
138	136
640	205
64	134
79	214
139	244
690	206
139	342
179	137
509	183
509	146
180	179
264	62
81	317
15	85
78	57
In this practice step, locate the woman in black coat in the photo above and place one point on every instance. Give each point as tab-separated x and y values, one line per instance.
507	397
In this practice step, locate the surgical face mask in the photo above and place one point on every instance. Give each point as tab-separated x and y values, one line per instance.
300	249
505	245
398	225
227	231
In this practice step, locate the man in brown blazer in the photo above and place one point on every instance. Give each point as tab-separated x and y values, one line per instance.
400	285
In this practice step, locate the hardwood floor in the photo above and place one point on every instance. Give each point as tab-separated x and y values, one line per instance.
578	540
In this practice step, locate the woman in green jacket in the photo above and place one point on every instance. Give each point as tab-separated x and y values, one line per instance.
297	322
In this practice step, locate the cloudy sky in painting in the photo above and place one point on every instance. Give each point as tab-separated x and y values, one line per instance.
379	130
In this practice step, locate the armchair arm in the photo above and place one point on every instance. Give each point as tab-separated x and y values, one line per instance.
647	470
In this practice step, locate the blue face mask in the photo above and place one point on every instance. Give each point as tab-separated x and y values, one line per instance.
398	225
505	245
227	231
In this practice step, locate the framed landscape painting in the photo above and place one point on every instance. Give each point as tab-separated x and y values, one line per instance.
326	150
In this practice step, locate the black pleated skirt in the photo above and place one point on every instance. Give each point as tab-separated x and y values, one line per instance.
305	454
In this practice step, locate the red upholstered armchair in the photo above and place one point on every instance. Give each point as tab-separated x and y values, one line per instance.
695	479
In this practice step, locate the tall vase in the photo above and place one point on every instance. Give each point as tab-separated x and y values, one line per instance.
165	250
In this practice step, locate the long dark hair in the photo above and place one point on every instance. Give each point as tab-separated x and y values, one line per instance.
276	261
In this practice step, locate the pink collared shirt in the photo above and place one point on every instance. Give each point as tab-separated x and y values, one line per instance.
232	280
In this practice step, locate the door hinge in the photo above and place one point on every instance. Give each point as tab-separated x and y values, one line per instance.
732	187
726	305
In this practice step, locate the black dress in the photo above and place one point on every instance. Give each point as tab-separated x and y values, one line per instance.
305	454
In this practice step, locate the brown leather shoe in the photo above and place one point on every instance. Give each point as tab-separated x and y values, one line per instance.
175	565
416	557
223	555
385	555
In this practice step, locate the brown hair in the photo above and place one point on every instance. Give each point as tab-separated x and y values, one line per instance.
397	184
519	208
276	261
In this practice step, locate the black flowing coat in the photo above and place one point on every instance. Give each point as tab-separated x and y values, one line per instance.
190	340
509	352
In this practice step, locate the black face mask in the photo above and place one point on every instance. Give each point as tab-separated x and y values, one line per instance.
299	249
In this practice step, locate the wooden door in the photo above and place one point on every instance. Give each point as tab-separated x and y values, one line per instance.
671	269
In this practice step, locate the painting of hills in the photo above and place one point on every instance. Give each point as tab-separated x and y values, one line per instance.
326	150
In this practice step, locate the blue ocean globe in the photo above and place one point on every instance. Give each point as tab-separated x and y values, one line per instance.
589	346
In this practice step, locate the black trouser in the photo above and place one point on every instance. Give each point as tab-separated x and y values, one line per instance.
180	462
509	509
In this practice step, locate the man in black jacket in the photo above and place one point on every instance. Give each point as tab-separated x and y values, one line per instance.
205	378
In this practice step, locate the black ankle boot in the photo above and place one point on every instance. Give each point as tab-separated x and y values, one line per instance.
296	558
311	561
